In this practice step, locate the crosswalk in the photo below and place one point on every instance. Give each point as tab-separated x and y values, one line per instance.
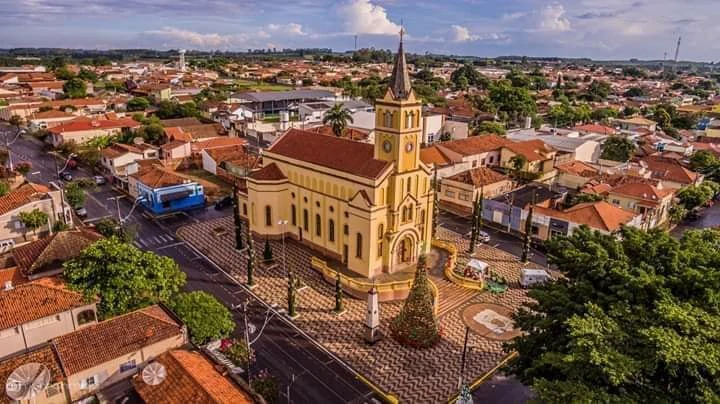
153	241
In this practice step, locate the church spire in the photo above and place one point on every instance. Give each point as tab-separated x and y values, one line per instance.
400	79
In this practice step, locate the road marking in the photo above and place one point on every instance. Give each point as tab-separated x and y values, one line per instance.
170	245
156	240
137	244
141	241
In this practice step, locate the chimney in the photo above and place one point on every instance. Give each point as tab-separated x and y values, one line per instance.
8	285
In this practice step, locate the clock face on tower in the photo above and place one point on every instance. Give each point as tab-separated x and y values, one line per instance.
409	147
387	146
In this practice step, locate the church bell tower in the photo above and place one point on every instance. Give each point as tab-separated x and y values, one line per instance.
398	119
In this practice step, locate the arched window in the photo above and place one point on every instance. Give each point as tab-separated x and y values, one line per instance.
306	225
331	230
422	216
293	214
268	216
410	213
408	118
346	230
381	231
318	225
404	214
409	184
358	245
85	316
245	209
387	119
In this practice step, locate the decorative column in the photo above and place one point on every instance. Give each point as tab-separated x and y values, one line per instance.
372	318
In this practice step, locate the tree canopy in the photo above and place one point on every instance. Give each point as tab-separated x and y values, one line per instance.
337	117
467	75
635	319
75	88
138	104
34	219
206	318
124	277
618	148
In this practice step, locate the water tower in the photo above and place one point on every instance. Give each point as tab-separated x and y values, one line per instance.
181	62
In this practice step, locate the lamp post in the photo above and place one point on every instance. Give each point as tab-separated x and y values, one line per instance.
9	143
282	224
269	314
62	189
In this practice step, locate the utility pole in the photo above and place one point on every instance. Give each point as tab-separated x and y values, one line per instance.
677	53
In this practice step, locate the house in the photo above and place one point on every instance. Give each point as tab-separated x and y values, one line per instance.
464	154
575	174
81	131
537	158
45	257
271	102
601	216
231	160
190	378
56	392
163	191
432	128
509	210
595	129
105	353
458	192
670	172
27	198
194	133
117	157
176	149
314	112
568	148
636	123
652	202
33	313
48	119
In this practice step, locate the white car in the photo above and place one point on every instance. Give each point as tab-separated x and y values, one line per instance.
482	236
81	212
100	180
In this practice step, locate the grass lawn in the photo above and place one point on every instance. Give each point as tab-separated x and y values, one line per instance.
249	85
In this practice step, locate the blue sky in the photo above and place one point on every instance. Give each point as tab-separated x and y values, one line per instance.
600	29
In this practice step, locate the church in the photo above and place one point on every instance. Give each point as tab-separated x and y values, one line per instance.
367	206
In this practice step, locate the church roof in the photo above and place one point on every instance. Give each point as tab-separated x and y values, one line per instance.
331	152
400	79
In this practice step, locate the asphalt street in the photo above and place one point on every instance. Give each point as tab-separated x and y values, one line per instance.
281	349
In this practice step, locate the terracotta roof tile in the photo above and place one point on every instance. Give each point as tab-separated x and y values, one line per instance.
348	133
599	215
50	252
21	196
434	155
480	176
43	355
578	168
595	128
530	149
665	169
156	177
331	152
476	144
191	378
217	142
270	172
78	125
645	192
35	300
11	275
114	338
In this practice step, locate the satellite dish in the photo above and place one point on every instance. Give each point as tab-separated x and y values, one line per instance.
25	382
154	374
138	140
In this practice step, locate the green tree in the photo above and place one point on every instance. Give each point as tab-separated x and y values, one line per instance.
598	91
338	294
604	114
206	318
705	162
634	319
490	127
4	188
417	325
124	277
618	148
151	133
513	102
138	104
34	219
267	251
88	75
63	74
695	196
337	117
635	92
74	194
75	88
471	75
475	223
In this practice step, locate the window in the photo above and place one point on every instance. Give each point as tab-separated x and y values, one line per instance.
86	316
491	159
450	194
331	230
534	230
381	231
616	202
408	120
482	162
293	214
245	209
404	214
127	366
306	225
358	245
87	383
268	216
387	119
474	164
346	230
410	212
318	225
380	249
409	185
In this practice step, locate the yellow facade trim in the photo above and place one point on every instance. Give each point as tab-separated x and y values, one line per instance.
482	379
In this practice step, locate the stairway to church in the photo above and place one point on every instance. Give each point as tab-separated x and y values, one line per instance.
450	295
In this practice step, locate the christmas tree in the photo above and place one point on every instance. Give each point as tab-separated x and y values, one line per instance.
416	325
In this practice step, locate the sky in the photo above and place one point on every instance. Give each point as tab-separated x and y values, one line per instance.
599	29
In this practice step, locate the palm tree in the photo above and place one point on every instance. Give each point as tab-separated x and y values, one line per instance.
337	117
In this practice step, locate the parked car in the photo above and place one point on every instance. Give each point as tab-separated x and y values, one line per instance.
100	180
80	211
66	176
482	237
530	277
224	202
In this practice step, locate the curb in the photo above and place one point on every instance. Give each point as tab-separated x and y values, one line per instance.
482	379
388	398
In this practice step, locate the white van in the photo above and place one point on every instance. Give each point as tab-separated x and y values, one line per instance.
530	277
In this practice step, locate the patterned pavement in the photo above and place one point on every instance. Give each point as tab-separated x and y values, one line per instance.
417	376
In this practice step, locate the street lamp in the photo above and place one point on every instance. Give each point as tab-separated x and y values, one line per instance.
121	219
282	224
292	381
271	312
60	185
9	143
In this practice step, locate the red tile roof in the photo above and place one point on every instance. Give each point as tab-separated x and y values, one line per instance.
191	378
348	133
35	300
83	125
530	149
599	215
578	168
115	338
478	177
217	142
476	144
330	152
595	128
270	172
156	177
668	170
433	155
21	196
52	251
44	355
645	192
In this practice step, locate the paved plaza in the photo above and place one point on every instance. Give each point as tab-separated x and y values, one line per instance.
412	375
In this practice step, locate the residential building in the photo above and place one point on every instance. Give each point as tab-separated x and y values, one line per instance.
27	198
33	313
163	191
57	390
636	123
568	148
81	131
509	210
432	128
314	112
537	157
190	378
652	202
117	157
176	149
111	351
458	192
670	173
48	119
575	174
600	216
232	160
456	156
272	102
367	206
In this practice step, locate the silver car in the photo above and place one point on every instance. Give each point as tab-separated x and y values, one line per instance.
482	236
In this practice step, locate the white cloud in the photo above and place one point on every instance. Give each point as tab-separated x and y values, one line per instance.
552	18
458	33
364	17
287	29
181	36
